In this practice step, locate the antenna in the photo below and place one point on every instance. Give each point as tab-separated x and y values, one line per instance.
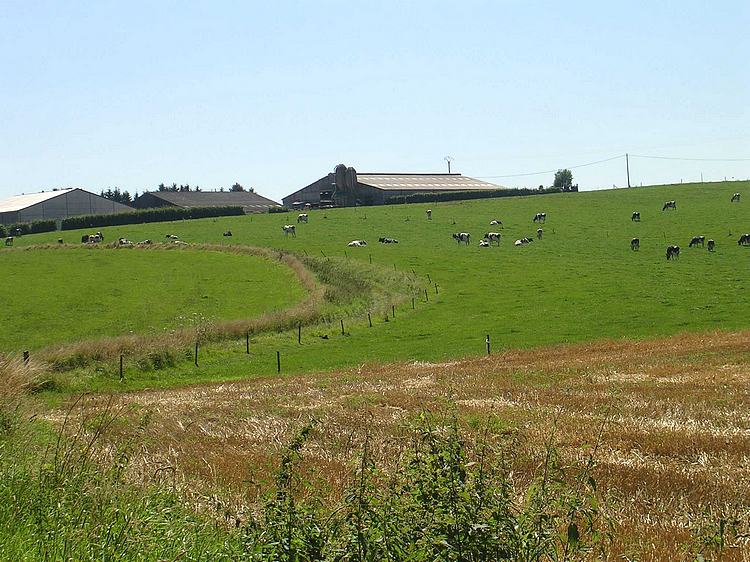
449	159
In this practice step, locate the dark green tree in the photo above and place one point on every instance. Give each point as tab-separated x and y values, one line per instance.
564	179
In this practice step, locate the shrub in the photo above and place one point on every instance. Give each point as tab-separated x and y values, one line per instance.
161	214
278	209
431	197
29	227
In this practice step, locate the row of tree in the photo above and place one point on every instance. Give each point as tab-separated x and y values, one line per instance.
125	198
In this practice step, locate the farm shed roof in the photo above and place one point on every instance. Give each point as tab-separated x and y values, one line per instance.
19	202
249	200
427	182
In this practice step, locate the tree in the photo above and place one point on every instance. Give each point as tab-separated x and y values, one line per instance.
236	187
564	179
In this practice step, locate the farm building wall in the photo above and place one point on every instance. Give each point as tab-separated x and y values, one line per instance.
312	193
150	201
68	204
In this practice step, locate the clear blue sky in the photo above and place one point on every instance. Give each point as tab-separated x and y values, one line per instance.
275	94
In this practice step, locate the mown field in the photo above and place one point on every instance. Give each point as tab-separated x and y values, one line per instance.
580	282
60	295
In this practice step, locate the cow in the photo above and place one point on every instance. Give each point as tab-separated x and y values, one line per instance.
711	245
384	240
496	223
636	216
100	235
302	217
9	241
146	242
540	217
60	241
91	239
172	237
492	237
669	205
84	238
462	237
227	233
635	244
523	241
673	252
695	240
357	243
735	197
484	244
429	214
124	242
16	232
539	233
289	229
744	240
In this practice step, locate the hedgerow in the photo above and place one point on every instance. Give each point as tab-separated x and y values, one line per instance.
162	214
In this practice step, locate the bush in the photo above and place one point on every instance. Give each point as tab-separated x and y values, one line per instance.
28	227
162	214
278	209
433	197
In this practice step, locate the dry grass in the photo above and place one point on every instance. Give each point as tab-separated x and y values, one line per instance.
674	460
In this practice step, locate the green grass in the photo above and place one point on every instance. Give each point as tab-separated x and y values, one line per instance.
63	295
580	282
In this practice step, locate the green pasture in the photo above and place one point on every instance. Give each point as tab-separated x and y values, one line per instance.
52	296
580	282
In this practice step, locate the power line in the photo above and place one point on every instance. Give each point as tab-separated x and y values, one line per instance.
693	159
555	170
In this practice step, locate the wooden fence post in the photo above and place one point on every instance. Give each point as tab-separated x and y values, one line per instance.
247	342
25	357
393	310
369	319
122	375
196	353
278	361
487	341
436	289
426	298
412	303
299	333
342	327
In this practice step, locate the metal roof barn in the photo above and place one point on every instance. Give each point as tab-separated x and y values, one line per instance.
251	202
57	204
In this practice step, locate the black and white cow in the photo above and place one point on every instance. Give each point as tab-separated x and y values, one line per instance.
635	244
357	243
172	237
539	233
540	217
736	197
496	223
484	243
695	240
673	252
636	216
669	205
9	241
302	217
290	229
462	237
429	214
227	233
384	240
711	245
744	240
492	237
124	242
523	241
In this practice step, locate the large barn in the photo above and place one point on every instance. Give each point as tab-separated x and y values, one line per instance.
250	201
344	187
57	204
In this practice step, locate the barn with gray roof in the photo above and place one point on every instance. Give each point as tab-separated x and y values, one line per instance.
344	187
57	204
250	201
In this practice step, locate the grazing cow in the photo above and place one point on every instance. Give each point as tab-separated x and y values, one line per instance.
124	242
302	217
695	240
100	235
736	197
523	241
484	244
711	245
146	242
462	237
429	214
289	229
357	243
636	216
227	233
539	233
540	217
9	241
669	205
91	239
172	237
673	252
496	223
744	240
635	244
16	232
384	240
492	237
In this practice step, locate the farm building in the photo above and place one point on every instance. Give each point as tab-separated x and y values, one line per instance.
344	187
251	202
57	204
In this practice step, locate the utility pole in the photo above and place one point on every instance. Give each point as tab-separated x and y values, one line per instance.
627	167
449	159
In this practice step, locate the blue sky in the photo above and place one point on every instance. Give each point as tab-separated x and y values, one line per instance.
275	94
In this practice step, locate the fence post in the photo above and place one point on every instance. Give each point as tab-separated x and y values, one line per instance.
369	319
342	326
299	333
122	375
429	279
426	298
393	310
25	357
412	303
278	361
247	342
436	289
370	258
487	341
196	353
